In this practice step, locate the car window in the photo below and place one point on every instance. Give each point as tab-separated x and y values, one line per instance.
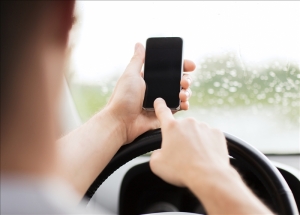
247	55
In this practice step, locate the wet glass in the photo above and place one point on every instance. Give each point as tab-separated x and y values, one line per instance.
247	54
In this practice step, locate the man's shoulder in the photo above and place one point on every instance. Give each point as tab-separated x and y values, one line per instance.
36	197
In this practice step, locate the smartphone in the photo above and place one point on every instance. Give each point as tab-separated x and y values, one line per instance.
163	71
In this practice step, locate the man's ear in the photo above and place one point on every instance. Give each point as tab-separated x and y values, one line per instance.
68	6
66	9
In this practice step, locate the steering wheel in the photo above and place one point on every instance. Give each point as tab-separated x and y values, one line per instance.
257	162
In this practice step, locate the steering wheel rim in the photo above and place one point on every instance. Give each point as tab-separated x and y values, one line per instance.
257	162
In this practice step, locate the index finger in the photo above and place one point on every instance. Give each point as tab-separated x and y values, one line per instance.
188	66
162	112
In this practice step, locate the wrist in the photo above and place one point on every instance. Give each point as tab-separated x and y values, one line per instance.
110	122
222	191
206	179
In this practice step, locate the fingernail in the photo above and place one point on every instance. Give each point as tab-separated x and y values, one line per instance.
189	80
187	93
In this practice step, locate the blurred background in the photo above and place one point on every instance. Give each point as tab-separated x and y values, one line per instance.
247	54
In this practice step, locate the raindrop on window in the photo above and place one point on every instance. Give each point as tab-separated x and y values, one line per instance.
272	74
229	64
232	89
210	91
220	101
278	89
220	72
217	84
225	85
271	100
233	73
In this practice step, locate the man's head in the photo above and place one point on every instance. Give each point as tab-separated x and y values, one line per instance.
34	38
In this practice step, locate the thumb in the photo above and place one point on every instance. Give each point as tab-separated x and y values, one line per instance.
137	60
163	113
154	160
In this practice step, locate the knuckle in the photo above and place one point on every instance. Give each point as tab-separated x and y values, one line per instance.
203	125
187	92
218	132
187	76
191	120
154	161
172	124
152	164
190	92
136	57
189	79
183	95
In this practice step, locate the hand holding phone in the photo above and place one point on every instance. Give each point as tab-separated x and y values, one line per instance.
163	71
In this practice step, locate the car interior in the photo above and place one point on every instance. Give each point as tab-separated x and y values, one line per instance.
246	83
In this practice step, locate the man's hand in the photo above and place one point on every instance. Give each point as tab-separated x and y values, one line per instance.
187	147
195	156
127	99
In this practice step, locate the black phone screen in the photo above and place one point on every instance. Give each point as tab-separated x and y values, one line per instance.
163	70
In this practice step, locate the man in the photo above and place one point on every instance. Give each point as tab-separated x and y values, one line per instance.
38	172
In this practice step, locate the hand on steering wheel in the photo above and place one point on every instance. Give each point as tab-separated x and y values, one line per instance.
188	147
